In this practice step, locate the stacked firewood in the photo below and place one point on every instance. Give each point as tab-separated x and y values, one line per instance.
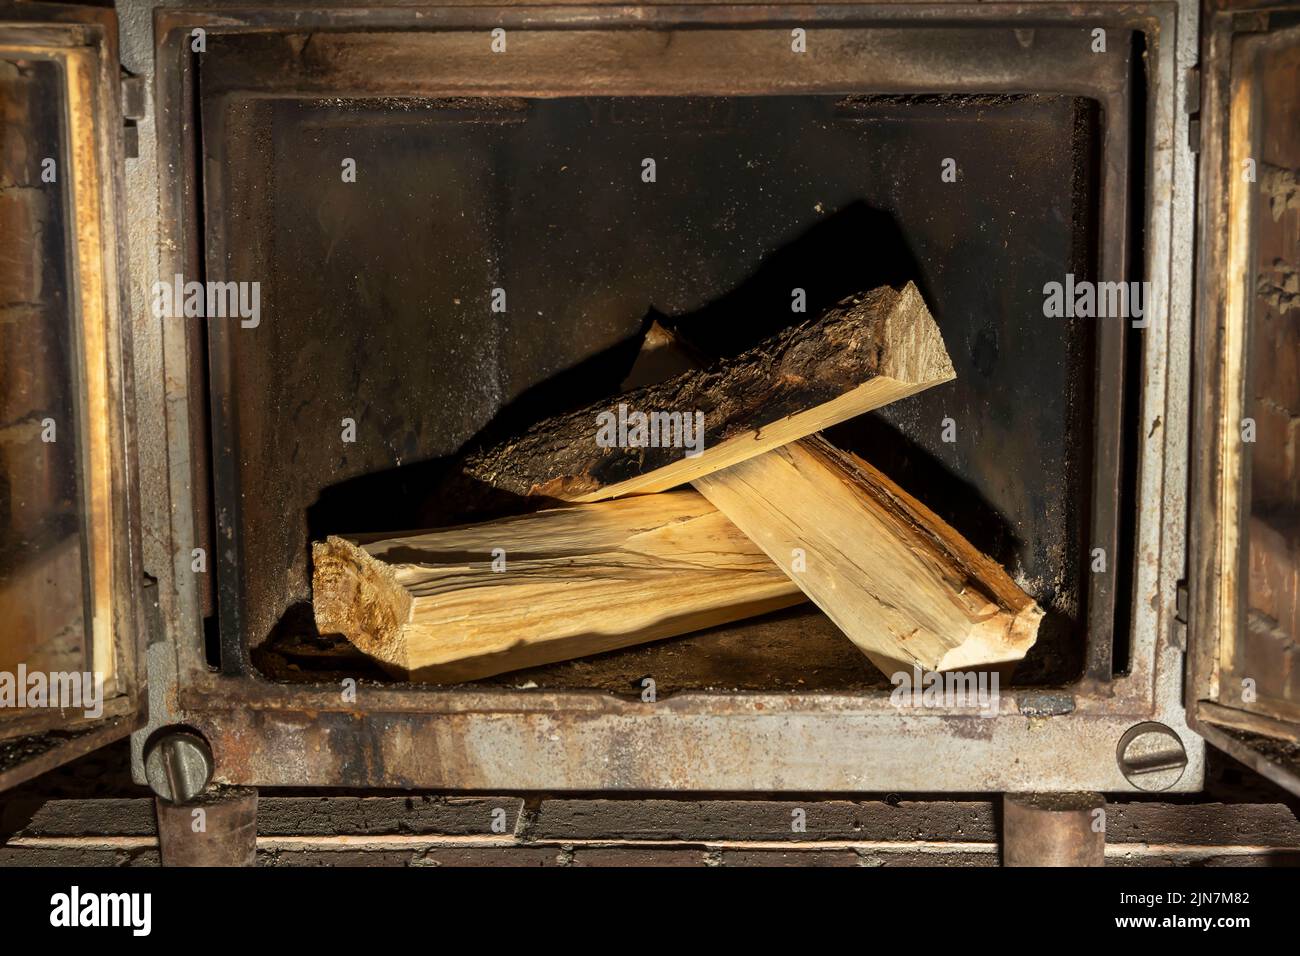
687	502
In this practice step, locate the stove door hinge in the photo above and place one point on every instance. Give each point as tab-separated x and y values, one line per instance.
1178	632
1193	107
134	99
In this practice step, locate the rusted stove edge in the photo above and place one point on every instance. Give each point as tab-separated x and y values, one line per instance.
677	752
1142	686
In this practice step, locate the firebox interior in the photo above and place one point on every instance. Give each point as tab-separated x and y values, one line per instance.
376	307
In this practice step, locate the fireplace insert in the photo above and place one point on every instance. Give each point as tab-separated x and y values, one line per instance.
366	180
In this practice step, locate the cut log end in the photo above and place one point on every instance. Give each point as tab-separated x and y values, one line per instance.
358	597
1004	638
914	352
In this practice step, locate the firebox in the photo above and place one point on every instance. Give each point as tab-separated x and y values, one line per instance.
435	223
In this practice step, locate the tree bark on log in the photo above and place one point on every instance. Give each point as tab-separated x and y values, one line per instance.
867	351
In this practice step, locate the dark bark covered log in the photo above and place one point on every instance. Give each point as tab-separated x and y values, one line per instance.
868	350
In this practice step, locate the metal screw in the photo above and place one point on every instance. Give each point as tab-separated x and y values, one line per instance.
178	765
1151	756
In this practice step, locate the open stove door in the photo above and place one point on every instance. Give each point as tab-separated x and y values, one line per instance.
72	596
1243	680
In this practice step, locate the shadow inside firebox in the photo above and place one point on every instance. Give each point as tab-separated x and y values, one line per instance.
855	249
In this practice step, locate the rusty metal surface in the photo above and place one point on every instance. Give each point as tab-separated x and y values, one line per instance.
89	813
218	828
1247	108
23	758
83	42
264	732
1053	829
1272	755
1261	673
667	748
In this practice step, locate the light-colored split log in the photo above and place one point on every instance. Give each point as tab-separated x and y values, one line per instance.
468	602
905	587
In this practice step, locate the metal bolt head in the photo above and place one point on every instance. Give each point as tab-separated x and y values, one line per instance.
178	765
1151	756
